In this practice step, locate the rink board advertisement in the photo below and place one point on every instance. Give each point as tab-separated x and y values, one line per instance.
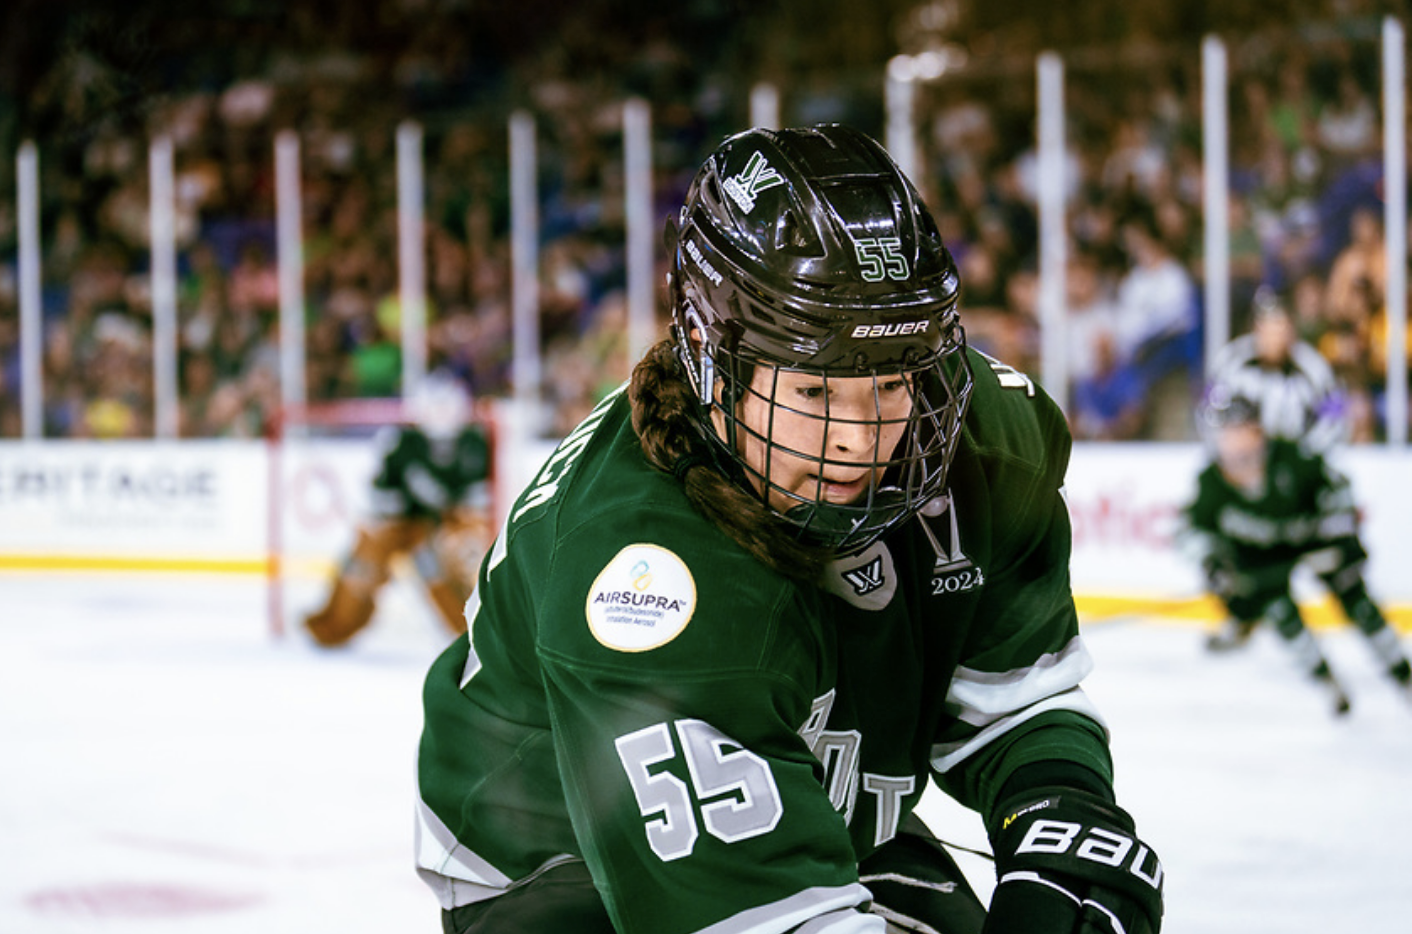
1125	502
118	504
208	505
179	506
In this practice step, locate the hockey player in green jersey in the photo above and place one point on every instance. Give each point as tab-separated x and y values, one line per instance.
424	493
1262	507
811	559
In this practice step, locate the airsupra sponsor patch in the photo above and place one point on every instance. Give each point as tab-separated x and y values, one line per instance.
641	600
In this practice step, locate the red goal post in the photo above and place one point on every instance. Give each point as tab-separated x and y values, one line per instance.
322	459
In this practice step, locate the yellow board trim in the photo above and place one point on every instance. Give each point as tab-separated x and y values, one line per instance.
1324	613
29	562
1093	608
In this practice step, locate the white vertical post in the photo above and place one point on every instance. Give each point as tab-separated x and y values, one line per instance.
162	241
637	158
411	254
1054	373
1395	225
524	262
31	297
289	228
901	133
765	106
1215	157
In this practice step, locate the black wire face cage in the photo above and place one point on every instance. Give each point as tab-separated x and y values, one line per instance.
927	423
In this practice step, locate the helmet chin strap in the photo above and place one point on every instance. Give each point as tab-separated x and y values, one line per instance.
839	521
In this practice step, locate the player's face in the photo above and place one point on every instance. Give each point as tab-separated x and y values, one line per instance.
1240	450
826	438
1274	335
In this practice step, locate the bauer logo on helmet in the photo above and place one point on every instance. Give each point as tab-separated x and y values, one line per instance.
901	329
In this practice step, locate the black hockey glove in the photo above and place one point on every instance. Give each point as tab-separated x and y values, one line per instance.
1067	862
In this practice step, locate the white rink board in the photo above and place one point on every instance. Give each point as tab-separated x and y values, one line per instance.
1125	500
193	500
67	502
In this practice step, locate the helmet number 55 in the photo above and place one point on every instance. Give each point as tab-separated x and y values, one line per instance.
881	258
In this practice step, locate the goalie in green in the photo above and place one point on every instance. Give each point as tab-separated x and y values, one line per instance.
430	473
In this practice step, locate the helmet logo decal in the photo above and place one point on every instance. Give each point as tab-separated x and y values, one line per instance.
703	263
881	258
746	187
902	329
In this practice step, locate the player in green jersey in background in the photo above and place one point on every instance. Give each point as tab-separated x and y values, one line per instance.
1264	506
426	505
811	559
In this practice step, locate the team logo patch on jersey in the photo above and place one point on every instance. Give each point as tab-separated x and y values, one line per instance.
867	580
641	600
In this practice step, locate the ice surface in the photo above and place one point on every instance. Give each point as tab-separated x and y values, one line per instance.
167	766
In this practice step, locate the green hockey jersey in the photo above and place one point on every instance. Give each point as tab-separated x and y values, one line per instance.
420	477
722	745
1303	505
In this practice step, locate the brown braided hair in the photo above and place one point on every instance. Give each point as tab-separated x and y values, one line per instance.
662	402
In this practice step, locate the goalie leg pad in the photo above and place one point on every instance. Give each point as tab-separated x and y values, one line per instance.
447	594
369	565
351	600
349	609
450	604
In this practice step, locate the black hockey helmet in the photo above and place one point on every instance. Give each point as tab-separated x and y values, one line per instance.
1267	301
807	250
1241	454
1223	409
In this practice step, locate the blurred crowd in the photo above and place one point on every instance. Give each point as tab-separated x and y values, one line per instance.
1305	219
1305	208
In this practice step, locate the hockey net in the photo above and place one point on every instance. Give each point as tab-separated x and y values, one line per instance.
323	458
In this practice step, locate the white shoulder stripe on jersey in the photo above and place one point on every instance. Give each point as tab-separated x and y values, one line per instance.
981	697
997	702
947	755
